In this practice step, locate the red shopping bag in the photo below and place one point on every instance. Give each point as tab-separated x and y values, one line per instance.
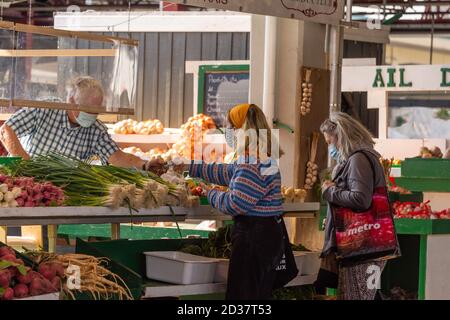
369	235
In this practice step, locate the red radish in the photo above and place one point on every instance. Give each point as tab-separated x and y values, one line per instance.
19	261
8	294
6	250
5	278
20	202
29	204
47	271
21	291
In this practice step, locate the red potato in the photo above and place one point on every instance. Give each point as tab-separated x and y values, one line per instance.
21	291
8	294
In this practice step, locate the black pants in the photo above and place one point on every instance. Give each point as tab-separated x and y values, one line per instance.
257	247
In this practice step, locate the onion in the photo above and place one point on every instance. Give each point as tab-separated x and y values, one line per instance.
9	196
3	188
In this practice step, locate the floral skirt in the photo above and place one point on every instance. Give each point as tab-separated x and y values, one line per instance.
359	282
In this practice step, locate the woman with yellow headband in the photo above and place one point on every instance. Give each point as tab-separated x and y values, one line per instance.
254	201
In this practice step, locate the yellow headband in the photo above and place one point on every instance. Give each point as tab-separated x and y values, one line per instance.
238	115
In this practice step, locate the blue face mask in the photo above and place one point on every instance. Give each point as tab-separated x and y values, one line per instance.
333	152
86	120
229	137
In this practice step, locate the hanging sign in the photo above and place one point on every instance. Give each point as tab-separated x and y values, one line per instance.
320	11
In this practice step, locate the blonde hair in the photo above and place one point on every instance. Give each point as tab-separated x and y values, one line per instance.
83	89
350	133
256	124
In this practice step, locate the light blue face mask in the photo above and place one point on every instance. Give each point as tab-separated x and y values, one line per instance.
86	120
229	137
333	152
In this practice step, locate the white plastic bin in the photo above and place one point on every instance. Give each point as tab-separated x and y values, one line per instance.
221	275
299	257
312	263
180	268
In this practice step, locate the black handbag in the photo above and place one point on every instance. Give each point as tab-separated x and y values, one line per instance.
286	270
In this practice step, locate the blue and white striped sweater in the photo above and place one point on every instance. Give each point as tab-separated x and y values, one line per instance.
251	193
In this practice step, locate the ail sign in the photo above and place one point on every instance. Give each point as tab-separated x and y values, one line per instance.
320	11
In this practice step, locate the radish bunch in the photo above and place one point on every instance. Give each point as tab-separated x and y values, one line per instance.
25	192
18	281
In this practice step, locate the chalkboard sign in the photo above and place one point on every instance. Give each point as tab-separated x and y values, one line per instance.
221	87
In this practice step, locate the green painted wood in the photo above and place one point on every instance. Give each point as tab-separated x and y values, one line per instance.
423	184
422	266
403	272
103	231
431	168
422	226
413	197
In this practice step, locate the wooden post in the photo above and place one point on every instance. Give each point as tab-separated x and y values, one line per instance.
3	234
52	234
115	231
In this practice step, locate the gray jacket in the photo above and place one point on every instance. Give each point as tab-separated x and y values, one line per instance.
354	189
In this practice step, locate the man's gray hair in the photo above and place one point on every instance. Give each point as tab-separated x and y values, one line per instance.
84	87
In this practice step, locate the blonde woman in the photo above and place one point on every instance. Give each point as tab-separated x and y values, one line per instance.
351	145
253	200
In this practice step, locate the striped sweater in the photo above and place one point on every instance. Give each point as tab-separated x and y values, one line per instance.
251	191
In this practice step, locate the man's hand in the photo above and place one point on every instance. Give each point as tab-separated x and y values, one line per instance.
156	165
11	142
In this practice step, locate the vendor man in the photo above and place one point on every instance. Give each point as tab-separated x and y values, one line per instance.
70	133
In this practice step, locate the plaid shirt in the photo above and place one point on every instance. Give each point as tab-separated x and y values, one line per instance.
47	130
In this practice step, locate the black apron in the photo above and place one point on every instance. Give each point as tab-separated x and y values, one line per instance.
258	245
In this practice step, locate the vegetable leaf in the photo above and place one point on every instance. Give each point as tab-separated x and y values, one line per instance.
2	292
22	269
4	264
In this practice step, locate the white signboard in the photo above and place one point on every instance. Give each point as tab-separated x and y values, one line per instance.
320	11
378	81
396	78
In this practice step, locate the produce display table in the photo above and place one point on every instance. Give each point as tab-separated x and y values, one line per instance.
423	267
53	216
155	289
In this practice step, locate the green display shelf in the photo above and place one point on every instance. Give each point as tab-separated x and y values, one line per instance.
413	197
424	184
86	231
422	226
430	168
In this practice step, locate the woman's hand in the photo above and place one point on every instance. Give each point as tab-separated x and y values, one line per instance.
326	184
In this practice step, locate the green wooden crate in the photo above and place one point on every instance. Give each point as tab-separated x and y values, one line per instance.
424	184
426	168
103	231
422	226
413	197
132	279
